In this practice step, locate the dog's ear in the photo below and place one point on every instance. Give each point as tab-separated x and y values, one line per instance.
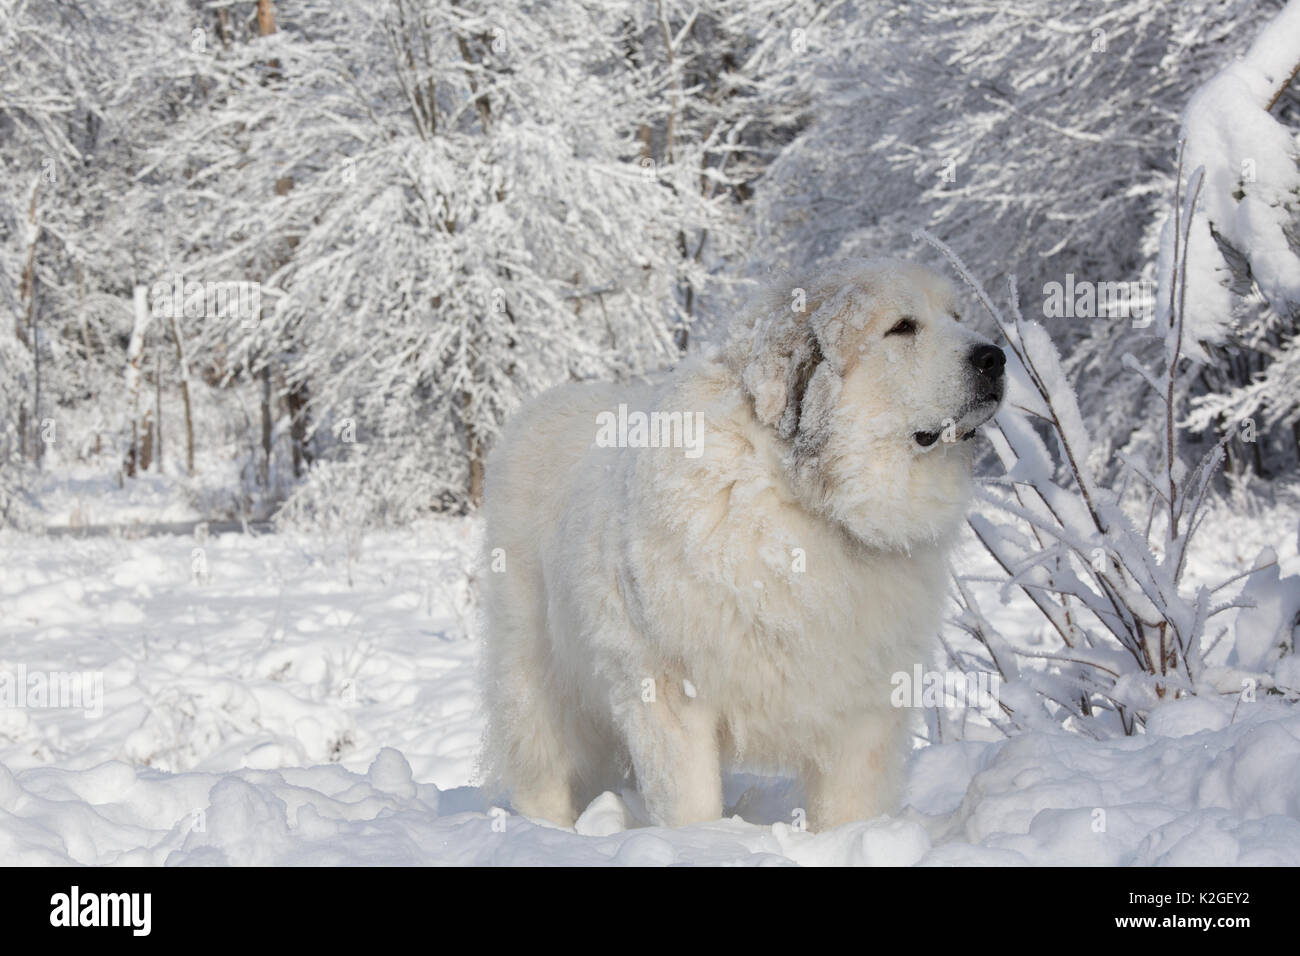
784	354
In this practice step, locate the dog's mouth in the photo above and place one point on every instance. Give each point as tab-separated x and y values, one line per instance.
966	423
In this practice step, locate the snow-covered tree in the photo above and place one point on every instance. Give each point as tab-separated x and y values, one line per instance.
82	86
724	85
451	206
1243	268
1035	137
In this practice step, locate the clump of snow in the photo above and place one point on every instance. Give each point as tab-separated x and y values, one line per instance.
1191	715
1264	627
1251	180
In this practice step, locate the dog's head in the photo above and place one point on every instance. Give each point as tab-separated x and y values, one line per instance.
872	386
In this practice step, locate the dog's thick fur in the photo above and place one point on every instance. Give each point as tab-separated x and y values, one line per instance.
660	615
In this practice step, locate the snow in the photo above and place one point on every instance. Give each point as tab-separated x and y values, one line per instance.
277	715
1258	627
583	192
1251	176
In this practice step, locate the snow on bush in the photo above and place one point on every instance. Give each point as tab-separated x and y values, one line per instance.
1101	548
1243	259
1104	564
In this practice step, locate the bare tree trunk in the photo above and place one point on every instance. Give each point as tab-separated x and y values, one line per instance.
297	398
265	17
33	312
184	365
676	88
25	330
296	402
29	270
157	407
265	475
146	440
223	26
137	457
475	469
474	452
265	27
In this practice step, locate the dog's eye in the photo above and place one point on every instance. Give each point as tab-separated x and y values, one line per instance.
904	326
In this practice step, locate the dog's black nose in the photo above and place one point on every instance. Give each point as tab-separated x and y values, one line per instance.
988	360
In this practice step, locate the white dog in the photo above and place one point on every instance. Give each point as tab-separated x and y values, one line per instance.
744	594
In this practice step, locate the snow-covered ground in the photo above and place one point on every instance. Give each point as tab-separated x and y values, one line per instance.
289	699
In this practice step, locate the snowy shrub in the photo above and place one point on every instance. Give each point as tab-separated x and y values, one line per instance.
340	500
15	500
1093	518
1104	563
362	489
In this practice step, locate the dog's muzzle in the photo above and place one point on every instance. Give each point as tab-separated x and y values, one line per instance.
988	386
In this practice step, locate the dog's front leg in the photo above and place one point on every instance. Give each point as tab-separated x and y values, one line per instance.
673	741
862	777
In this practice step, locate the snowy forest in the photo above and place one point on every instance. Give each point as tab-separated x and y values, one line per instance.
285	268
365	232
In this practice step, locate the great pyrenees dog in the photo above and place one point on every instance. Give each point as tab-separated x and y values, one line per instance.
728	566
